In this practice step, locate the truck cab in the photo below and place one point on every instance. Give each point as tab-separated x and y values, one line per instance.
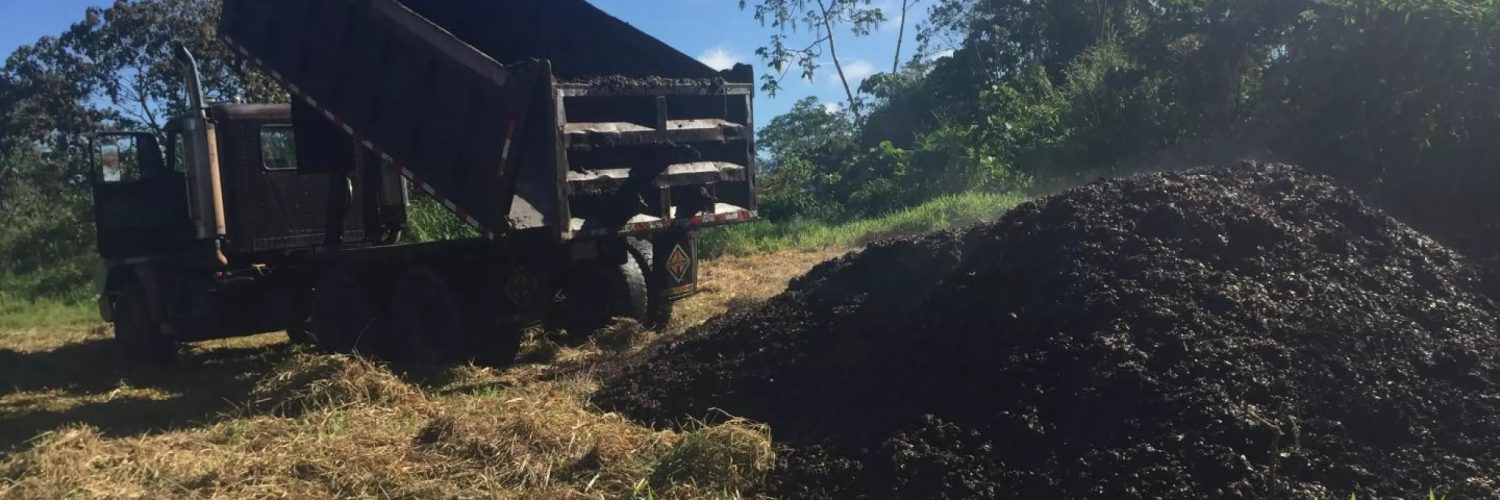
208	215
238	185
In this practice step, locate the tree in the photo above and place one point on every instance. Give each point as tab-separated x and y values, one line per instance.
129	47
823	20
809	149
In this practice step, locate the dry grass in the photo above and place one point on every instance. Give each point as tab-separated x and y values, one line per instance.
539	440
254	418
307	383
729	281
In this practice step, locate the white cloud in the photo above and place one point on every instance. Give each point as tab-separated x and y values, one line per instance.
832	108
940	54
719	58
856	71
892	11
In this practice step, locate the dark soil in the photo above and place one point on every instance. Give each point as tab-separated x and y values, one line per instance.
1252	331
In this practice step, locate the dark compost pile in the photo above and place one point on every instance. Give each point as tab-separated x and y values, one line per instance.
1249	331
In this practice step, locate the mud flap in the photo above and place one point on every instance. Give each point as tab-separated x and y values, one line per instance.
525	282
675	265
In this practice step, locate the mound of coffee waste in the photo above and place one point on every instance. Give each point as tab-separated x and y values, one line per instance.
1249	331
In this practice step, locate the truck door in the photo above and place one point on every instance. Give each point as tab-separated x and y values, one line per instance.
140	206
274	203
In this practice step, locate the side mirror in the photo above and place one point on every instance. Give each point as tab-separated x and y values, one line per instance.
126	157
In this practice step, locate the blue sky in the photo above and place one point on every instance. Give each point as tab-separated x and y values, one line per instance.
715	31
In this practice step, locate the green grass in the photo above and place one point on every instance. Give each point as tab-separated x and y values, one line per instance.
947	212
17	313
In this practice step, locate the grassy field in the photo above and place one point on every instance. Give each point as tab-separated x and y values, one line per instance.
943	213
17	313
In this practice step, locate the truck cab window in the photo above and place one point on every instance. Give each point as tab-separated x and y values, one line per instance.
118	159
177	154
278	148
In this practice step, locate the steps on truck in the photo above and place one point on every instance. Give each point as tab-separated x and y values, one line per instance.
722	213
582	135
683	174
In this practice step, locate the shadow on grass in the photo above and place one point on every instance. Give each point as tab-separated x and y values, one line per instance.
88	382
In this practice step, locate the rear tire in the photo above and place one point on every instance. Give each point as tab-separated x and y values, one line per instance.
598	293
495	343
658	307
428	323
137	332
343	318
300	331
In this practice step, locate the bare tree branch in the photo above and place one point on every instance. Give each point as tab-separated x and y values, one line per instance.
900	36
833	52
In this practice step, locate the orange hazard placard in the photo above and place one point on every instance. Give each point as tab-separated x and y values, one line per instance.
679	263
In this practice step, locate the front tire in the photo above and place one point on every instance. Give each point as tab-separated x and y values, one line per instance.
137	331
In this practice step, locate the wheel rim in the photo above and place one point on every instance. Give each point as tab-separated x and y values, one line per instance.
431	323
437	321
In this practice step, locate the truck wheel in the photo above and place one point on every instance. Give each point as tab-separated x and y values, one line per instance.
496	344
300	331
343	319
427	321
658	307
598	293
138	334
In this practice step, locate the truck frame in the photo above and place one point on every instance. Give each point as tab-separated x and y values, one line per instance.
585	155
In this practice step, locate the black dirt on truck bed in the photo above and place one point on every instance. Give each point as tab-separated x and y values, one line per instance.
1247	331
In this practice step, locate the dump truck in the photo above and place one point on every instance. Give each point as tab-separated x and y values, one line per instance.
582	153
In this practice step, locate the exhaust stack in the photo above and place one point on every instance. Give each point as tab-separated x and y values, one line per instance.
194	80
202	151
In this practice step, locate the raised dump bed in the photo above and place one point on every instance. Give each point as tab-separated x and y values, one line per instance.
519	115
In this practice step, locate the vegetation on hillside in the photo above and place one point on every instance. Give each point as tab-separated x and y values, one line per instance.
1393	96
